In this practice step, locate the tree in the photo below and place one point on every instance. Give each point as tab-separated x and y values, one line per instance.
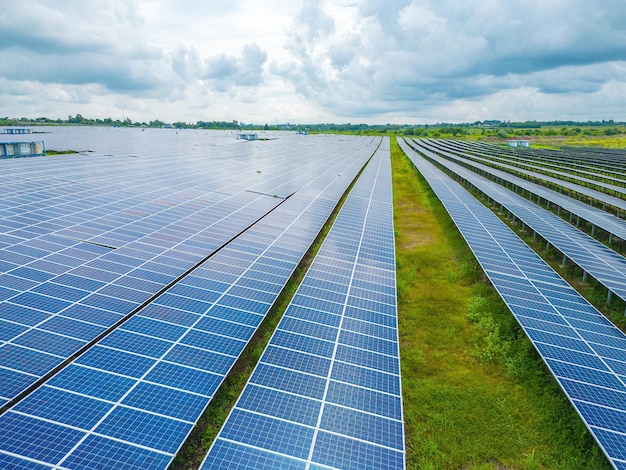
75	120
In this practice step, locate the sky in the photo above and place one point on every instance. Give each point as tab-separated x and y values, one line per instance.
314	61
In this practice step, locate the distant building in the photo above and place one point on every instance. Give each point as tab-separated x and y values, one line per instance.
247	136
17	130
22	149
519	143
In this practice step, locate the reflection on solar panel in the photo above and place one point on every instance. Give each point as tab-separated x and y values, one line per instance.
326	392
52	315
604	264
130	400
584	351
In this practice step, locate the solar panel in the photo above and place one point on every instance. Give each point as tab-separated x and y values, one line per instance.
118	244
583	350
604	264
326	392
564	161
562	178
61	313
139	390
596	216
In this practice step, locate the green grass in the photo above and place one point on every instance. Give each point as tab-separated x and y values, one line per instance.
609	141
60	152
476	395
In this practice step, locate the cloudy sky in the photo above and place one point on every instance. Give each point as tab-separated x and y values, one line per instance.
306	61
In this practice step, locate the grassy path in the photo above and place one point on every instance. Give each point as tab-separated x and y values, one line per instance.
476	395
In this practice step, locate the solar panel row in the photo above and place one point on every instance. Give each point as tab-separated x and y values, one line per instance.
130	400
584	351
553	159
562	181
604	264
48	316
326	392
596	216
588	178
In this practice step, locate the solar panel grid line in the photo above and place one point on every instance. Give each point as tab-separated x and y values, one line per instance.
87	438
289	314
586	378
600	261
321	356
597	216
34	327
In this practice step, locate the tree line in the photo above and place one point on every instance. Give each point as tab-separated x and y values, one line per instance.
494	128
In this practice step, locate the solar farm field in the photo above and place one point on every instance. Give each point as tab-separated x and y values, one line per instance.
564	336
134	276
136	272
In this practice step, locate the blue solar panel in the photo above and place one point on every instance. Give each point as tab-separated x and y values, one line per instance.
351	454
98	452
226	454
583	361
324	371
159	369
146	429
116	361
36	361
65	407
166	401
604	264
268	433
15	463
46	440
71	294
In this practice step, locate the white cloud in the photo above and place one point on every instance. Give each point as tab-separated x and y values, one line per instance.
308	61
225	72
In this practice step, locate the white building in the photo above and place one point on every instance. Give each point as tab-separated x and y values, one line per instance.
519	143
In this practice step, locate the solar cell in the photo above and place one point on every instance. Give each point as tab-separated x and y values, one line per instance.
581	360
607	266
159	369
323	371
